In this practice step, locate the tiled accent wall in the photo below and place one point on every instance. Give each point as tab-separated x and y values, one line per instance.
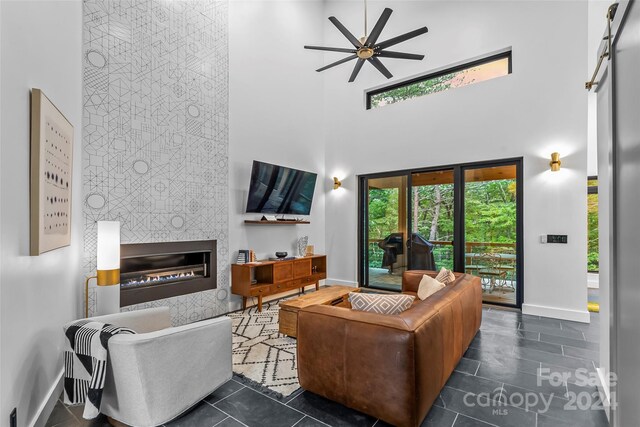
155	131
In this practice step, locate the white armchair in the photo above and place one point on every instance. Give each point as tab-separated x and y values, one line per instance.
161	371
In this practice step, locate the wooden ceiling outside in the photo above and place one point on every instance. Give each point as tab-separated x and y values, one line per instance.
446	177
432	178
490	174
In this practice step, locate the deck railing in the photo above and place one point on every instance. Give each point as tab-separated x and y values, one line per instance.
443	253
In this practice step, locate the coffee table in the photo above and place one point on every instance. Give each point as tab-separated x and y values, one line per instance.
330	295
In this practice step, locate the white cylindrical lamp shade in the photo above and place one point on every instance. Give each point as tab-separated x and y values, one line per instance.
108	253
108	266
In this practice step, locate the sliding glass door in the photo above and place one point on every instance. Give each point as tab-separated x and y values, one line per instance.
491	230
466	217
386	229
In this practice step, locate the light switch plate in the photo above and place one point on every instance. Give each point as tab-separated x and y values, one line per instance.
557	238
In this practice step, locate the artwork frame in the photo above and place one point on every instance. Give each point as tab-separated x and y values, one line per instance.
51	175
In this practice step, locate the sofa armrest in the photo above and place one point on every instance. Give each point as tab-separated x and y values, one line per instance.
141	321
363	360
155	376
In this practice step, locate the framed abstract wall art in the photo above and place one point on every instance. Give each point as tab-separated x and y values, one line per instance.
51	175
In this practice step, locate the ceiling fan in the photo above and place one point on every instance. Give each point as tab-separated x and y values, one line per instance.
367	47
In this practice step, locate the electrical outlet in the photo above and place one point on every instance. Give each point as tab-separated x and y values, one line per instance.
13	418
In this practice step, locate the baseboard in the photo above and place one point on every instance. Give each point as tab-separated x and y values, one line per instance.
41	417
341	282
557	313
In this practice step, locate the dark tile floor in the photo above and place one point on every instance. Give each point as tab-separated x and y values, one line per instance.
497	383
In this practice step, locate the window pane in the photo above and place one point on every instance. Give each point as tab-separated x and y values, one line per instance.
490	230
593	259
387	200
443	81
432	219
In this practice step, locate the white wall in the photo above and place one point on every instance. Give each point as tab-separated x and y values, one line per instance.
276	114
41	46
540	108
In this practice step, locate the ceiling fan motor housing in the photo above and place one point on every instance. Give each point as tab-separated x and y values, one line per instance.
365	53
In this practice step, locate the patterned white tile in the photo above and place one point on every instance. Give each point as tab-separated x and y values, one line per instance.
155	131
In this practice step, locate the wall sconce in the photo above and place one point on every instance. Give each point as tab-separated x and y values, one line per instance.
555	162
108	270
336	183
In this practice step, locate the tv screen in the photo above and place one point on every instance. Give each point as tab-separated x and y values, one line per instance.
280	190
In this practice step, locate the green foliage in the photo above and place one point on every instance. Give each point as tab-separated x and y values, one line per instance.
490	212
593	263
436	84
383	212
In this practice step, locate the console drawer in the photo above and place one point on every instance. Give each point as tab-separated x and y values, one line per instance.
280	287
259	290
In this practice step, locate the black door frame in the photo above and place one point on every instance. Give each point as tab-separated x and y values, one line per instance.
458	235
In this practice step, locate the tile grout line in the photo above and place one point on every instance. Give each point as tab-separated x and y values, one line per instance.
307	415
221	420
512	385
228	416
298	422
455	419
290	407
218	401
292	399
477	419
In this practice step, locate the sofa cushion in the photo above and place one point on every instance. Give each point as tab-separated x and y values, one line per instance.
381	304
445	276
428	286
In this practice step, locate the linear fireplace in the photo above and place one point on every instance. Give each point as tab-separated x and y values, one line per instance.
152	271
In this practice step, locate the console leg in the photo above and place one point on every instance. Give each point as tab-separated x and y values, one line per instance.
317	286
259	303
244	303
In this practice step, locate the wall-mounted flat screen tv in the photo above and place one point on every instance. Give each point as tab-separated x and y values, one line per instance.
280	190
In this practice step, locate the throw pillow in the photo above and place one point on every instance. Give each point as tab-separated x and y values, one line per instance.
428	286
381	304
445	276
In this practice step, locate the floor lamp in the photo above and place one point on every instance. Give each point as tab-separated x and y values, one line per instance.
108	270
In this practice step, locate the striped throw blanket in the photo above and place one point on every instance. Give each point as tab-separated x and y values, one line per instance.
85	363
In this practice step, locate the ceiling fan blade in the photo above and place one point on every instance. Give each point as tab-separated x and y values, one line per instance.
377	29
401	38
331	49
399	55
356	70
354	41
376	63
342	61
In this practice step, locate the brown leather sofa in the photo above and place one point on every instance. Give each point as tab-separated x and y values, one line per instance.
390	367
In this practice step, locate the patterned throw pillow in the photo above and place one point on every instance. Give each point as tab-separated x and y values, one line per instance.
445	276
381	304
428	286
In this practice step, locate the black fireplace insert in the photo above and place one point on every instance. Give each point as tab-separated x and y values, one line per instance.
152	271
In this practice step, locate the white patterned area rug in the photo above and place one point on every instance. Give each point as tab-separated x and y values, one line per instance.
261	355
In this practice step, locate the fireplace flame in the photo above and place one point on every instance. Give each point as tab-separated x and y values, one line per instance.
159	279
